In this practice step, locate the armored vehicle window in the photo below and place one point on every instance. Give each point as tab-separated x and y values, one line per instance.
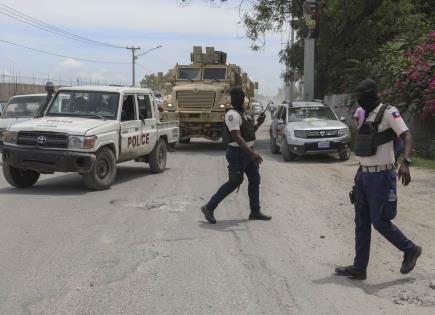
189	74
23	106
128	108
214	73
84	103
144	104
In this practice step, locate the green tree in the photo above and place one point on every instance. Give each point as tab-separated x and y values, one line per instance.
153	82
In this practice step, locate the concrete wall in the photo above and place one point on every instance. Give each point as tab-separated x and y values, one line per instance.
8	90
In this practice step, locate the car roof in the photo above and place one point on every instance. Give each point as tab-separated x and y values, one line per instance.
107	88
306	104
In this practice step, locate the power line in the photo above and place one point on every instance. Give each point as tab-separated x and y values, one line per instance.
24	18
62	56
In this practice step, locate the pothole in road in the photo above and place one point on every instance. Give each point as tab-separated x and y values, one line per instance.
175	206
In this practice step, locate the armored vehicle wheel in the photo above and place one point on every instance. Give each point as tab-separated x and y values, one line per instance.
19	177
184	141
104	171
344	155
274	148
158	157
287	155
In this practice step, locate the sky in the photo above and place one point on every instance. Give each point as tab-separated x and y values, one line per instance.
144	23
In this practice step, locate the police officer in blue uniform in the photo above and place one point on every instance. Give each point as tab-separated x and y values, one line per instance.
375	194
242	159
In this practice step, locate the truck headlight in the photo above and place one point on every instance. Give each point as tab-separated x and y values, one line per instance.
10	137
80	142
221	106
343	132
300	134
170	105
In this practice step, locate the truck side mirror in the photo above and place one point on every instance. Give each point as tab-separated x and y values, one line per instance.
343	119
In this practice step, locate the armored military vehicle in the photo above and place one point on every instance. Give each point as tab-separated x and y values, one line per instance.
200	94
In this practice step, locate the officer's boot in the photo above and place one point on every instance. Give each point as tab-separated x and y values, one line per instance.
256	214
208	213
352	272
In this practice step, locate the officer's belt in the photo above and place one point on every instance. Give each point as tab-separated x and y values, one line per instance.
377	168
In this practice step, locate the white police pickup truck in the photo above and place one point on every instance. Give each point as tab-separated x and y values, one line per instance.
88	130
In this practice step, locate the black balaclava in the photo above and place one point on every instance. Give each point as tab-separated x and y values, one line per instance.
367	95
237	98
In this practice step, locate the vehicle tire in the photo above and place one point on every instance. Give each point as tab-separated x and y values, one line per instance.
19	177
344	155
184	141
274	148
103	173
287	155
158	157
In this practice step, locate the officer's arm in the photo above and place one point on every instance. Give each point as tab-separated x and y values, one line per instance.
404	172
237	136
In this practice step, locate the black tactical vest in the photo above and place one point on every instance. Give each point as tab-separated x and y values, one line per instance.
247	129
369	138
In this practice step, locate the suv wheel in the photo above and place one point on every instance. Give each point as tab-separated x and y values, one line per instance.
103	173
344	155
158	157
19	177
287	155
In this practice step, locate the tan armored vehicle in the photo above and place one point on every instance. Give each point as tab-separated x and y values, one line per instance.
200	94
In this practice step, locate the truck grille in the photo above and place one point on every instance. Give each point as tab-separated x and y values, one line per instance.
201	100
322	133
43	139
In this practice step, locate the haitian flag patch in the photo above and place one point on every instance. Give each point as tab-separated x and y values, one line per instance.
396	115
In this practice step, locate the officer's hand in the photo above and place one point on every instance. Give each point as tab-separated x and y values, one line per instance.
260	119
257	158
404	174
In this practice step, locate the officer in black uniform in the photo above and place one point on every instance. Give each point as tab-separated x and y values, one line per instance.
242	159
375	194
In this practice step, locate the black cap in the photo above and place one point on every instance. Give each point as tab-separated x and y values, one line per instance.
365	86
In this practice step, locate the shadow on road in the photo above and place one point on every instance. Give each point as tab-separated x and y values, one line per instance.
71	184
370	289
223	225
200	146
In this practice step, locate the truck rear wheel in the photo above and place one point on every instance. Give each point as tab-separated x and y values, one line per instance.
158	157
19	177
103	173
184	141
287	155
274	148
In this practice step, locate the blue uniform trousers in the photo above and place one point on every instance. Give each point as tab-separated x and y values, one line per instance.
376	203
238	160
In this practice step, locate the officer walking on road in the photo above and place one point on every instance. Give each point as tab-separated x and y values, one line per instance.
241	157
375	194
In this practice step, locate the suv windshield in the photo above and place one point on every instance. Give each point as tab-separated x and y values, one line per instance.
24	106
189	74
303	113
214	73
83	103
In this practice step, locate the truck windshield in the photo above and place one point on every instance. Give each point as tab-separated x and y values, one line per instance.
306	113
189	74
214	73
84	103
24	106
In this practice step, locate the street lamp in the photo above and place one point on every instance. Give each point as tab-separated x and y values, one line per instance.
135	57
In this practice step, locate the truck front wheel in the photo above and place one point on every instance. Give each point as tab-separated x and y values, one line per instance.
103	173
158	157
287	155
19	177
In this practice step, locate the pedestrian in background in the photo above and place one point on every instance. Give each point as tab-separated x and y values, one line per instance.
359	117
375	194
241	157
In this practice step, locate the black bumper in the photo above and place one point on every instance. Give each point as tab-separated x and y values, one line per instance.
48	161
312	148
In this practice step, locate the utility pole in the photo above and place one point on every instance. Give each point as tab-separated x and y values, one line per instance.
133	62
311	19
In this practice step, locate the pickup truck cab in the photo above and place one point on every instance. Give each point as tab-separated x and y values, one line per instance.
18	109
88	130
308	128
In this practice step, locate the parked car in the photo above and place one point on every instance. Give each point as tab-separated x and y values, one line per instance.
257	108
308	128
20	108
88	130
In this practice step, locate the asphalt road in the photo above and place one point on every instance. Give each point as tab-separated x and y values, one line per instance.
143	247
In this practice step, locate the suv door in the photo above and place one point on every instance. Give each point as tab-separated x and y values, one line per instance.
130	128
149	123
